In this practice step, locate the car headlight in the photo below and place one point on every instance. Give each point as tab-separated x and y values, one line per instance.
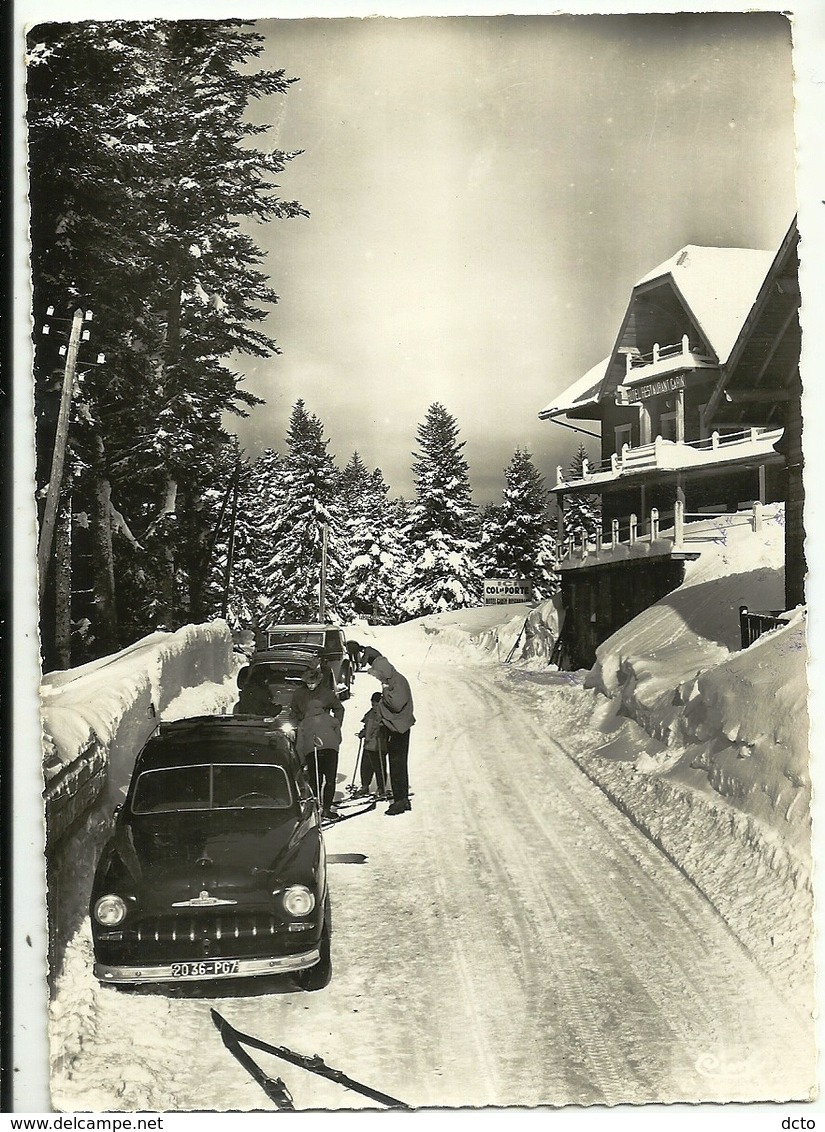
110	911
299	900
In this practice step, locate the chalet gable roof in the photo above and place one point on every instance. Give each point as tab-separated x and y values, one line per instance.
717	288
765	356
717	285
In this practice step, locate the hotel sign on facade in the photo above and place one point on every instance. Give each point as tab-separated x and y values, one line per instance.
634	393
506	591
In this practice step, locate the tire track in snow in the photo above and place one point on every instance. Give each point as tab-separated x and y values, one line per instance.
543	939
688	991
721	952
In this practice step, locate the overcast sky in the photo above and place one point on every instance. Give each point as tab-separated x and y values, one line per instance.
484	192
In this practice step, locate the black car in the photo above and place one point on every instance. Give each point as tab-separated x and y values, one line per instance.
275	674
325	641
216	868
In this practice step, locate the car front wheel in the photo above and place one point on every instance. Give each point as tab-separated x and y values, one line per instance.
317	977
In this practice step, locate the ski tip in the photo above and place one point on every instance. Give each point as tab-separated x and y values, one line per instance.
216	1018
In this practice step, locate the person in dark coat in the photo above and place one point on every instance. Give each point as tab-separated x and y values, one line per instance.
395	710
255	698
369	655
318	714
354	654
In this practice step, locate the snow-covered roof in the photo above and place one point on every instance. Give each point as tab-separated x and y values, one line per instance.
584	391
719	286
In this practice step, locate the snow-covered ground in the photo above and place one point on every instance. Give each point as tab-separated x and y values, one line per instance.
520	937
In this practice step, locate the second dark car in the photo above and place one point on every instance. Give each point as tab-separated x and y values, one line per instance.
326	642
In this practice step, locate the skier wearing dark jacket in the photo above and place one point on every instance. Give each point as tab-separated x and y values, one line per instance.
318	713
395	710
255	698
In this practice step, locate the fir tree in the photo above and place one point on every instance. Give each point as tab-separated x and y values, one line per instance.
305	504
489	525
236	568
376	569
443	530
520	533
352	486
582	512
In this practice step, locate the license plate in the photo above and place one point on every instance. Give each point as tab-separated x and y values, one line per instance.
204	968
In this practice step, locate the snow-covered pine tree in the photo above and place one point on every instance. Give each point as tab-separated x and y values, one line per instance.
582	512
489	525
305	502
142	170
375	572
442	532
519	533
356	507
236	523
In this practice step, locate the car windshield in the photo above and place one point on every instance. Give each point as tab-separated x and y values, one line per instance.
277	637
212	786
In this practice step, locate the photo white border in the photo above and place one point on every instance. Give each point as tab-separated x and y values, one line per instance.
28	936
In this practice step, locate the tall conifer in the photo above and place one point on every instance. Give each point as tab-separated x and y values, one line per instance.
519	533
443	530
582	512
306	503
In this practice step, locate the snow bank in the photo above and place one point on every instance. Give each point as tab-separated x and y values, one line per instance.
749	859
723	719
697	625
518	633
103	711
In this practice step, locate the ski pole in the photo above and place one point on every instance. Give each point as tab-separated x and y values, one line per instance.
352	785
380	772
317	776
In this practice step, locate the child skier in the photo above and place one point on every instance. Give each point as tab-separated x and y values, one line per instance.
373	757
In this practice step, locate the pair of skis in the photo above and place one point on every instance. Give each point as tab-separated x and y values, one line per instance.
364	805
274	1087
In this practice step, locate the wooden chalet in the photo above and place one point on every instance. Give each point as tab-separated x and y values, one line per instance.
691	403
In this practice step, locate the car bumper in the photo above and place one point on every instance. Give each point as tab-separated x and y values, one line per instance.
246	968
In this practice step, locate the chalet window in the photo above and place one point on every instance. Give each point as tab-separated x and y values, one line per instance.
624	435
667	426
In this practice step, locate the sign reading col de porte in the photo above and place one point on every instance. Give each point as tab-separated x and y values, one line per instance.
505	591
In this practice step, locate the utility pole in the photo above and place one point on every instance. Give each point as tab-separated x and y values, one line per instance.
230	550
322	594
44	546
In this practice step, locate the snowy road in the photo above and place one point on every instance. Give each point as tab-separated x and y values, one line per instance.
514	940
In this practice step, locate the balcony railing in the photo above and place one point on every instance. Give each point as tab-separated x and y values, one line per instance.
683	349
669	455
673	531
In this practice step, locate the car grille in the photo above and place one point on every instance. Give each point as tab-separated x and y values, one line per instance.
225	928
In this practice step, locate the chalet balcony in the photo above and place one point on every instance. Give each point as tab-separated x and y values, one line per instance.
675	534
674	456
663	360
